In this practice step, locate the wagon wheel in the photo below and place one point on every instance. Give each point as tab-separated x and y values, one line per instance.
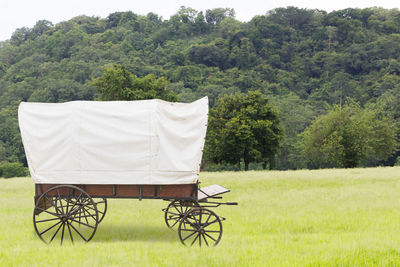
101	205
176	210
70	214
200	225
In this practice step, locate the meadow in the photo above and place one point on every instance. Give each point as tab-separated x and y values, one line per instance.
341	217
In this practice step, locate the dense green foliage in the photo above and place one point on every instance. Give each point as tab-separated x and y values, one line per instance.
304	60
12	169
243	127
119	84
348	136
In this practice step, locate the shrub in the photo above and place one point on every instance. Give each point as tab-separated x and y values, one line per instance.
12	169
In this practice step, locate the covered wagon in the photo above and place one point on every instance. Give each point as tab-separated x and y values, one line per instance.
80	153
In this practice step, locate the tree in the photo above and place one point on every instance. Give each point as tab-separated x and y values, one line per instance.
40	27
243	127
347	136
117	83
209	55
216	15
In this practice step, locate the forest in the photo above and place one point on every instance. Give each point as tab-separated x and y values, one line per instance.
332	78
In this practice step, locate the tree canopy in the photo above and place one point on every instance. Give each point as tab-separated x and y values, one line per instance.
348	136
305	61
119	84
243	127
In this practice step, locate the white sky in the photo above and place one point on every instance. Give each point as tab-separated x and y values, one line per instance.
24	13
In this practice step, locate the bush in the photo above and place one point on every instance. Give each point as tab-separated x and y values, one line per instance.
12	169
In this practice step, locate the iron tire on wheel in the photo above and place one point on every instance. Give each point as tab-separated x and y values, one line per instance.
65	212
199	226
176	210
101	205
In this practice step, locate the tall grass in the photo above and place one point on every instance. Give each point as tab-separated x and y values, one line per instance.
284	218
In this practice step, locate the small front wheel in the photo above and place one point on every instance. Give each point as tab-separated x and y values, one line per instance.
200	226
176	210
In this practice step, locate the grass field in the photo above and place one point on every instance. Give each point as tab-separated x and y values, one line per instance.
288	218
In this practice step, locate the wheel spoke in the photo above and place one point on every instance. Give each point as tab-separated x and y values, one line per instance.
94	209
189	230
75	203
82	223
49	212
80	207
59	200
173	213
173	217
84	215
210	237
62	233
196	221
199	239
52	203
185	209
191	224
90	215
176	209
68	201
189	236
205	225
78	232
181	207
209	216
194	240
70	234
205	240
176	221
49	228
47	220
58	229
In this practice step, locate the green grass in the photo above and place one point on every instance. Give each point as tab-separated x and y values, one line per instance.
288	218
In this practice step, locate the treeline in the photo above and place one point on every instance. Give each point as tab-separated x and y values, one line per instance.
308	63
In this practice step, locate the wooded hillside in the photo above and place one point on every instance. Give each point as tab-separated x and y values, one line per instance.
305	61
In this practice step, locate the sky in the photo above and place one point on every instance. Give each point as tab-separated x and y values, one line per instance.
25	13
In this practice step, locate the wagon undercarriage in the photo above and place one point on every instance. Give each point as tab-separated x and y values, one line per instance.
73	212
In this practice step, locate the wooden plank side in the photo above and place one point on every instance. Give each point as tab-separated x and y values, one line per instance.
127	191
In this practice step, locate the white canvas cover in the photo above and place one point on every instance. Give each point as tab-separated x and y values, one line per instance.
114	142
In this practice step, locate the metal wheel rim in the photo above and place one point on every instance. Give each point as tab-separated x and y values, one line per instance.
75	214
192	228
101	205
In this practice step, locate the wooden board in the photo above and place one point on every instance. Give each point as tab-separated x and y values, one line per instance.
178	191
210	191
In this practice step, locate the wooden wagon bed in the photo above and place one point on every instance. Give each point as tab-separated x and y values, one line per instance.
179	191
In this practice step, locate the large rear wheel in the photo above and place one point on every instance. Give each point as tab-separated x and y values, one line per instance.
65	213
